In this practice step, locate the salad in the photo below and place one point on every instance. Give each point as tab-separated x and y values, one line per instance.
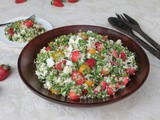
85	65
23	30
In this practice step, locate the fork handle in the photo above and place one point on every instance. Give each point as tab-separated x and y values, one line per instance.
146	46
149	39
3	24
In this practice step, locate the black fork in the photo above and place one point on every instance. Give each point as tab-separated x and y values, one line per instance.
121	26
136	27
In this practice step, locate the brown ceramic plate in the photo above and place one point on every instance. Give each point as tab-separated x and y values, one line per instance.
26	64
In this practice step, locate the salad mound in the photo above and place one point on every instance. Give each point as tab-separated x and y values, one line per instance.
23	30
85	65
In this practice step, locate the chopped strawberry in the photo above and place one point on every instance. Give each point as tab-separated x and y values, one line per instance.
91	62
28	23
72	1
114	63
117	86
116	78
125	80
122	55
57	3
4	71
78	77
10	31
98	46
85	91
96	91
48	48
60	65
131	71
103	84
73	96
114	53
75	56
20	1
104	72
86	38
110	91
104	37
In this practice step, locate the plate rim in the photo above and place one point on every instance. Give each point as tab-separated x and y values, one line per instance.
16	44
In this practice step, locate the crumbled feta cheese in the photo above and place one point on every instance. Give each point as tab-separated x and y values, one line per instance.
85	86
108	80
68	51
67	69
48	85
50	62
69	63
37	73
57	79
111	41
68	80
71	40
82	57
118	42
88	55
43	50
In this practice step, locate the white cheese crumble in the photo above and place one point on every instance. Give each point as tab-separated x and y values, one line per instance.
50	62
67	70
48	85
69	63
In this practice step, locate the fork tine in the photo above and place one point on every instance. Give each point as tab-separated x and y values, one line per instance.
118	16
124	19
130	19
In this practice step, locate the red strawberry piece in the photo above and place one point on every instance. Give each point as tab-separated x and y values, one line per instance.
110	91
4	71
96	90
75	56
98	46
116	78
125	80
72	1
117	86
86	38
114	53
10	31
20	1
73	96
114	63
106	73
104	37
78	77
28	23
103	72
103	84
122	55
48	48
131	71
85	91
57	3
60	65
91	62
